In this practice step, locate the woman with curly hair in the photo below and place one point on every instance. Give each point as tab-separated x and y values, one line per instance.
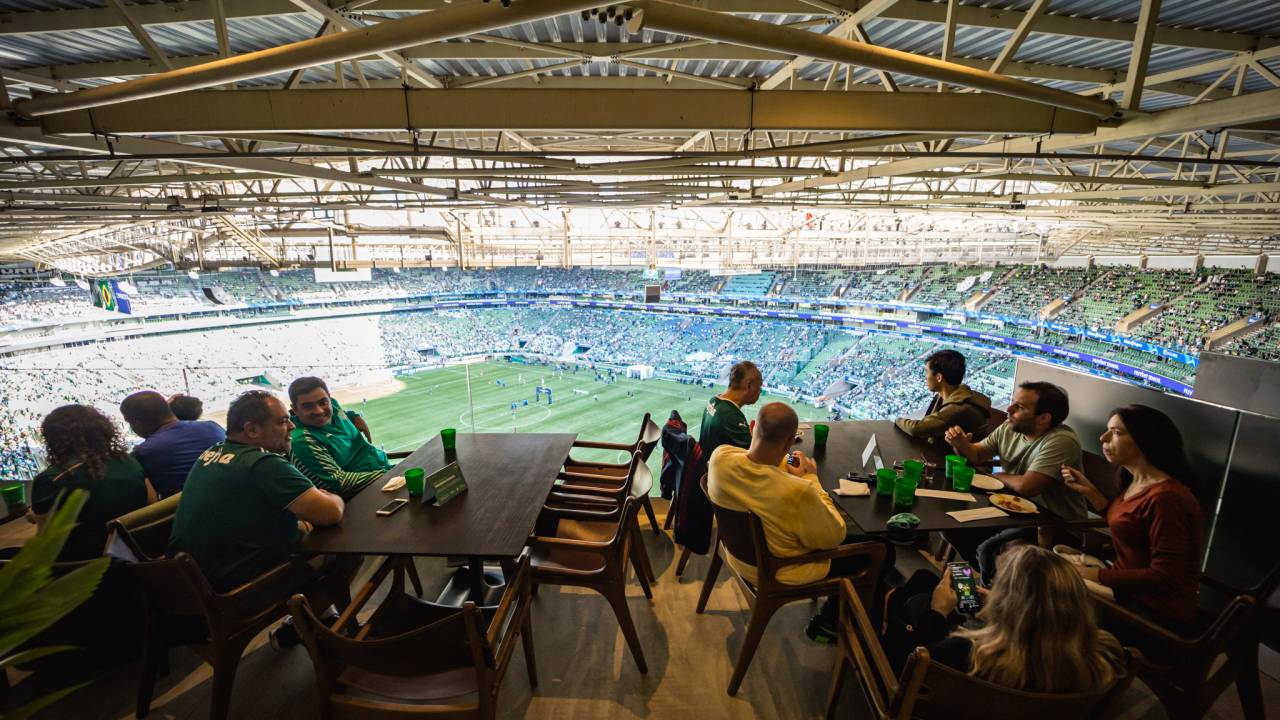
85	450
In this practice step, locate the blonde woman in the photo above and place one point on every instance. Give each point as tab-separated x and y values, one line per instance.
1037	628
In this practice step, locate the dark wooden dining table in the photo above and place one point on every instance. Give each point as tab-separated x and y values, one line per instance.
843	454
508	475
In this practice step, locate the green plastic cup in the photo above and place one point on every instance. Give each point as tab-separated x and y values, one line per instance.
904	492
415	479
953	460
449	438
961	478
886	478
912	470
820	435
14	495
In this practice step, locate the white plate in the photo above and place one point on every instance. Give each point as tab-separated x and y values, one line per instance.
1013	503
986	482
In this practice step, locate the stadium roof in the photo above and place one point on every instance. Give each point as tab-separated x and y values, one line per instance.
166	129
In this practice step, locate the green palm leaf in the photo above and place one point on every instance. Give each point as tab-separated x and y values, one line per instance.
31	599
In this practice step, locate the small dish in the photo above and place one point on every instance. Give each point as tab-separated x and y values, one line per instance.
1013	504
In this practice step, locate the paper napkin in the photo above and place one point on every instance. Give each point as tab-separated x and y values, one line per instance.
849	488
985	513
946	495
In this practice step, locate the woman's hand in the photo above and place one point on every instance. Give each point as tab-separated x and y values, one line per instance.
944	598
1076	481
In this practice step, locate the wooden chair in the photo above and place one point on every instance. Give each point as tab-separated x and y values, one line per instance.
144	533
576	489
181	608
596	564
742	535
646	441
413	656
608	473
927	690
995	418
1184	671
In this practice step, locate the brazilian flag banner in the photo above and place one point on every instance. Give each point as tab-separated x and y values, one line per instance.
108	296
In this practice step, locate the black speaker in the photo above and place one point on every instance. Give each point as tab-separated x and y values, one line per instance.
217	295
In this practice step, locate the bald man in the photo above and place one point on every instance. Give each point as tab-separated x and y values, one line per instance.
781	487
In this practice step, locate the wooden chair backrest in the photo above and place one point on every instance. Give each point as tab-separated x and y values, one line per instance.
175	586
995	418
455	642
932	690
650	435
1101	473
143	533
735	530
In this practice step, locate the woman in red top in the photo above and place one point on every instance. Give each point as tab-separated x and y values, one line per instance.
1155	522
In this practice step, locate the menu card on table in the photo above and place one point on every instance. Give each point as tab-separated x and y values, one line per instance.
447	482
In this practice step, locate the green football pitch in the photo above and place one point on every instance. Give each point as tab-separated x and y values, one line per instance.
610	412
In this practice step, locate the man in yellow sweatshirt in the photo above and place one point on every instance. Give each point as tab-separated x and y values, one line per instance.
797	514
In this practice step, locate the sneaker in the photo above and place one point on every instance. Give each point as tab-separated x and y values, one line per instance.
821	630
284	636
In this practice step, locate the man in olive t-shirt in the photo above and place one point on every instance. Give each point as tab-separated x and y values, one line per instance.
1032	446
722	421
244	504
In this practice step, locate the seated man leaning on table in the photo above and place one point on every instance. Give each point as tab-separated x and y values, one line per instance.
330	445
244	506
953	403
1032	447
798	515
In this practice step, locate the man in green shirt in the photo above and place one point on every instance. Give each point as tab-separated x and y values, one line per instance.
244	505
1032	446
722	420
331	445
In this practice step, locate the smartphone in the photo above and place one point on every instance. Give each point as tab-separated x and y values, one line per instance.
966	587
793	460
392	506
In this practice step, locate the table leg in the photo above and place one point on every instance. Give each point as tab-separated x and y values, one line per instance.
475	572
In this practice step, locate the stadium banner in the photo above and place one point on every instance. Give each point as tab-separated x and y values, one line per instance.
107	295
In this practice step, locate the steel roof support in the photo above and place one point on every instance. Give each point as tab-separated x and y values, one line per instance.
669	17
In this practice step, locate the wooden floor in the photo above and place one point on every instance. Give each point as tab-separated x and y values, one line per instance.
584	666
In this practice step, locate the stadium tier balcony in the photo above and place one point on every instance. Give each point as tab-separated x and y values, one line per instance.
1026	291
883	285
1121	291
938	284
755	284
817	284
1263	345
693	282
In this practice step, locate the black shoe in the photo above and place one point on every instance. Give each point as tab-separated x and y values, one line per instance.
285	636
821	630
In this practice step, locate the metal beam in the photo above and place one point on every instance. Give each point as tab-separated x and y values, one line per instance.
187	11
843	30
661	15
454	21
255	111
1255	107
1142	39
324	12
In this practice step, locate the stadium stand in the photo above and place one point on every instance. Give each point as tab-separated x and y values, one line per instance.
754	284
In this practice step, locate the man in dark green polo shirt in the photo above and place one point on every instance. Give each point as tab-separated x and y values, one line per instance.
244	505
330	445
722	420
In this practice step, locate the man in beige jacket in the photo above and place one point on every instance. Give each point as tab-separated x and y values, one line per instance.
797	514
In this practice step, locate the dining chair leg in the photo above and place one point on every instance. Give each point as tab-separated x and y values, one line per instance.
153	646
641	554
647	504
225	661
685	554
709	584
617	596
1249	686
526	639
761	614
837	683
670	519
